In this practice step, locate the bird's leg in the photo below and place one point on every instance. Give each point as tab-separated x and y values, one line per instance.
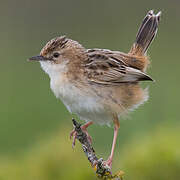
116	128
84	128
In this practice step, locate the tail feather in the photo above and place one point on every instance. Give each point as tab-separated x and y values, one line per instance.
146	33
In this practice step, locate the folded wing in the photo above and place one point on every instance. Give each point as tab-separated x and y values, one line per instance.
104	69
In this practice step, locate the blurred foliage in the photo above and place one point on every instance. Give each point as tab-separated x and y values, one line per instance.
154	156
30	114
52	159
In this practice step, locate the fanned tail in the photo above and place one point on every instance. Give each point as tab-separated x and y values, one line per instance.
146	33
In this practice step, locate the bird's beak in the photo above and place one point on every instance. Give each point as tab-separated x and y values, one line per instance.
39	58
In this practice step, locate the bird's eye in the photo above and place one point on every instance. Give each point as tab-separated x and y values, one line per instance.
56	54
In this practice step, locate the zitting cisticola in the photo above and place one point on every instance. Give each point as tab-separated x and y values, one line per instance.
99	85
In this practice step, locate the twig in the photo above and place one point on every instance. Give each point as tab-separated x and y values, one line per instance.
102	171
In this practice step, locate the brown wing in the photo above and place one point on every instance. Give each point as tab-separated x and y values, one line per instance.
104	67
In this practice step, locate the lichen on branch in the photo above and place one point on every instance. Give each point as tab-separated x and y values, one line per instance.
102	171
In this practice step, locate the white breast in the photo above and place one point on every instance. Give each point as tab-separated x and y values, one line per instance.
86	106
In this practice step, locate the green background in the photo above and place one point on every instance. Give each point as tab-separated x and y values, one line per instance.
35	126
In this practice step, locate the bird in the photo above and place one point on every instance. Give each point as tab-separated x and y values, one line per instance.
99	85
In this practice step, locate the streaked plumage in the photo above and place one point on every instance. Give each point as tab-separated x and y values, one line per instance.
99	85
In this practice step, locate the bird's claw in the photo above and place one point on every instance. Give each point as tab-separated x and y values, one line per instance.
108	162
74	135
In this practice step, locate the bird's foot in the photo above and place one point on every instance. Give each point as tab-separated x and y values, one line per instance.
108	162
84	129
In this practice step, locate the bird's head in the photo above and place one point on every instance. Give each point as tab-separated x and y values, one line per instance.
57	53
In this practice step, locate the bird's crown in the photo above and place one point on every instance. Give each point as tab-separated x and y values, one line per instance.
58	42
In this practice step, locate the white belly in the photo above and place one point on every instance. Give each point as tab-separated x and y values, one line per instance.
87	107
